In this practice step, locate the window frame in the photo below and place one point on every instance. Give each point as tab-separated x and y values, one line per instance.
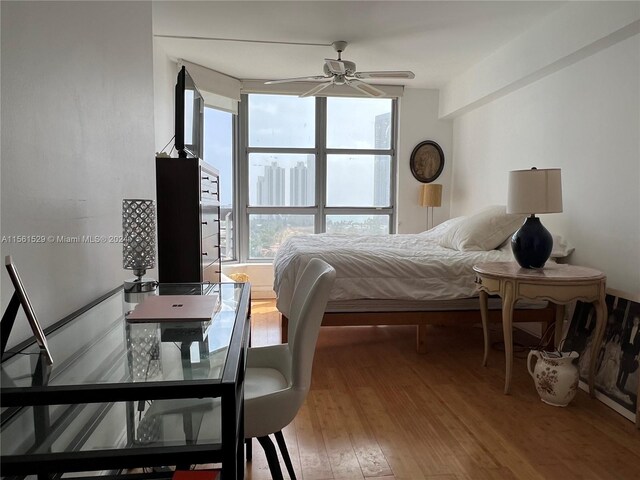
319	210
235	129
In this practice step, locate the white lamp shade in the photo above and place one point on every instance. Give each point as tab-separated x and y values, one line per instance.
431	195
535	191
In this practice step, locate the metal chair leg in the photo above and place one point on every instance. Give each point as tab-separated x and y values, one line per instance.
285	454
272	457
249	449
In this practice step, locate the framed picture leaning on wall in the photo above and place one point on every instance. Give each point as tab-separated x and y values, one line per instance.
20	298
617	378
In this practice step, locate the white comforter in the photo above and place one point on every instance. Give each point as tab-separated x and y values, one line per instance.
382	267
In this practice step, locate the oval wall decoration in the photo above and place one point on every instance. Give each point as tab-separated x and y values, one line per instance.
427	161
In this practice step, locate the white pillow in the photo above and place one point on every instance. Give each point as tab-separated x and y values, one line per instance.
484	230
442	228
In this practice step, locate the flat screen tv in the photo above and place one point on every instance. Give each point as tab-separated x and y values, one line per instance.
189	116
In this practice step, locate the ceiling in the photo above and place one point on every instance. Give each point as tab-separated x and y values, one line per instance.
436	40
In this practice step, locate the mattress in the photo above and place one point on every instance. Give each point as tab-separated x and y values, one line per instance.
401	267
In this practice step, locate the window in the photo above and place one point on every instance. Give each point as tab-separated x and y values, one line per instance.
218	151
314	165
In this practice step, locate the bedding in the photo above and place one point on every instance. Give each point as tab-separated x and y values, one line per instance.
411	267
391	267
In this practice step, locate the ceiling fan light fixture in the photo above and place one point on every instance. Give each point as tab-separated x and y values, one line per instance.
339	80
343	72
335	66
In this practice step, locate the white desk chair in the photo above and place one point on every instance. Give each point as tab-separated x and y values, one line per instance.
278	377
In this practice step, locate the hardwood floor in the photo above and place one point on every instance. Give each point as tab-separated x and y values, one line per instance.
377	409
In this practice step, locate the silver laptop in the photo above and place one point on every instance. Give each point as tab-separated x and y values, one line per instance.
175	308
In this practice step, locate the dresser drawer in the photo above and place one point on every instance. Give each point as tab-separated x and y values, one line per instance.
208	186
211	273
209	225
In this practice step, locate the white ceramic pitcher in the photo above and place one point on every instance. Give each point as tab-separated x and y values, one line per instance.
555	375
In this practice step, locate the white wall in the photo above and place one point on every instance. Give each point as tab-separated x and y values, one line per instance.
418	121
165	72
585	120
575	31
77	138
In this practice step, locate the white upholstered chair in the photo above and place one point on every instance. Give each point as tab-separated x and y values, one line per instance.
278	377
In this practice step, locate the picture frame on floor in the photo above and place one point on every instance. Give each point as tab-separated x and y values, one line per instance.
617	377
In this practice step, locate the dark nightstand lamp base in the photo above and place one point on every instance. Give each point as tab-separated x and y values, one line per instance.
532	244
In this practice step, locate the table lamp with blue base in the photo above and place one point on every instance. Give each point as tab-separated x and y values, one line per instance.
533	192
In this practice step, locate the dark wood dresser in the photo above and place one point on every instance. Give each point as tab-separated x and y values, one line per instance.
188	199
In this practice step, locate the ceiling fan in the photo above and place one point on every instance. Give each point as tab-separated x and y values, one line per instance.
343	72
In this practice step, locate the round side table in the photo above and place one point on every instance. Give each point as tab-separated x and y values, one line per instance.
556	283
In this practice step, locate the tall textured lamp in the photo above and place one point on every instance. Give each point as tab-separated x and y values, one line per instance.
431	196
533	191
139	243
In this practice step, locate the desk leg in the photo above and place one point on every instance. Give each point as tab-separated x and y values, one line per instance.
507	331
484	312
560	309
601	319
231	438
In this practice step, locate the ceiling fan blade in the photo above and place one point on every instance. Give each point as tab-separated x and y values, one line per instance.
315	90
335	66
365	88
383	74
316	78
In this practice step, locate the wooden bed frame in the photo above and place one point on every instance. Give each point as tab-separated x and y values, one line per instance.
544	315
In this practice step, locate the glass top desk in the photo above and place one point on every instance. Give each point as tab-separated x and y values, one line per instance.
124	395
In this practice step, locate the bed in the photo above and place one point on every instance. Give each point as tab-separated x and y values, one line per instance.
408	279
